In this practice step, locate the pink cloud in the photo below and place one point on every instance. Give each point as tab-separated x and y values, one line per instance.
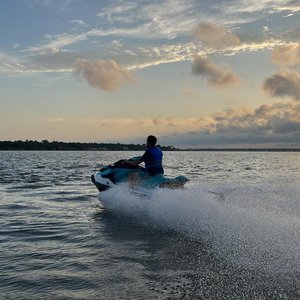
105	75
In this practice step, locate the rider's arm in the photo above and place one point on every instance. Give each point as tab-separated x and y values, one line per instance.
134	163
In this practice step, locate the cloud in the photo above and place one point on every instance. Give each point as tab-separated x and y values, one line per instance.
283	83
114	12
277	124
215	75
53	57
292	5
266	120
79	23
254	6
215	36
105	75
56	43
157	33
287	55
163	19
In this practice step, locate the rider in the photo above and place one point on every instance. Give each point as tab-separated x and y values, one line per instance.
152	158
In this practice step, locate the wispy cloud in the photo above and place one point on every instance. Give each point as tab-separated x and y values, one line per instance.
293	6
253	6
54	58
148	21
105	75
56	43
119	13
215	75
79	23
159	32
10	65
283	83
167	19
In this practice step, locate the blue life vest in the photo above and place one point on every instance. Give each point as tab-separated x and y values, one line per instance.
153	161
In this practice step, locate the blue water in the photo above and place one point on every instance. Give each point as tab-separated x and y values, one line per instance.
233	233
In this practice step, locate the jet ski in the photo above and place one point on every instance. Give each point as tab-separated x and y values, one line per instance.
118	172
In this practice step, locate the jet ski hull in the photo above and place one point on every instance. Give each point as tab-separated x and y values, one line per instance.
114	174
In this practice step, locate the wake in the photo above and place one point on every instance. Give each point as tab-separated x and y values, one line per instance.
252	226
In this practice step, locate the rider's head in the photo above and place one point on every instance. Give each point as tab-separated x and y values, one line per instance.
151	141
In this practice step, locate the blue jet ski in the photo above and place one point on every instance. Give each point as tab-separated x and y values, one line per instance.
118	172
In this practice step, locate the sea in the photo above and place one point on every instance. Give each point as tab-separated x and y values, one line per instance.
233	232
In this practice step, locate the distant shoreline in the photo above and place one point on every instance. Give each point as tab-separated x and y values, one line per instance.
45	145
246	149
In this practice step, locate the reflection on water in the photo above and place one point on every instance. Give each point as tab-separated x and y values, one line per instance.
232	234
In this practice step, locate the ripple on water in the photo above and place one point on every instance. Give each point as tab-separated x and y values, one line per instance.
231	234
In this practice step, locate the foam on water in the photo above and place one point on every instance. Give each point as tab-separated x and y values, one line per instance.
254	226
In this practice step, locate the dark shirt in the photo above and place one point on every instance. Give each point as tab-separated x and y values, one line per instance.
153	161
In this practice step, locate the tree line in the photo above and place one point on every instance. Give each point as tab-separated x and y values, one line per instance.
73	146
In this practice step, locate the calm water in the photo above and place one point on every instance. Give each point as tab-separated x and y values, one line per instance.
233	233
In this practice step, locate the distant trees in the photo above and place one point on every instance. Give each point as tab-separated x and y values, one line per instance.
55	145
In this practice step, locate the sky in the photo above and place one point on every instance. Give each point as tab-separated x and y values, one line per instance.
195	73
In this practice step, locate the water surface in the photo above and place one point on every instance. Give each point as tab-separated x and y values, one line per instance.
233	233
